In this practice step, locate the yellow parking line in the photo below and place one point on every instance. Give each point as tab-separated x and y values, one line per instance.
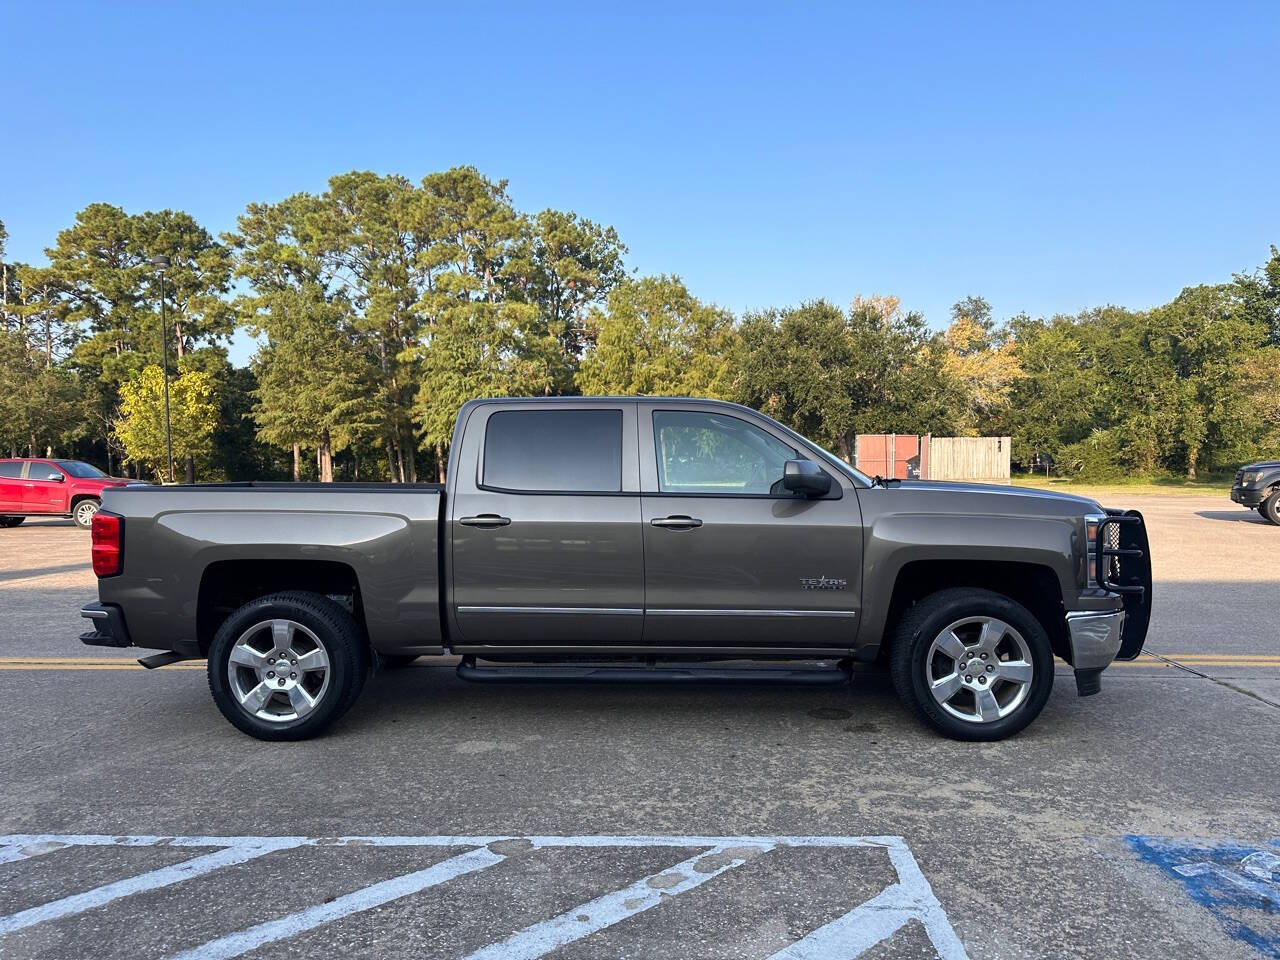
1168	661
1224	658
86	663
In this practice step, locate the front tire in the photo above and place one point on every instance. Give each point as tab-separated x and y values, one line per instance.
1270	508
83	512
7	522
972	664
286	666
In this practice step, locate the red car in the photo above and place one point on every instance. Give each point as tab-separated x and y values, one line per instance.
52	488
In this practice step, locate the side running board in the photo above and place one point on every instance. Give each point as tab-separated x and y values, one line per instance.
834	674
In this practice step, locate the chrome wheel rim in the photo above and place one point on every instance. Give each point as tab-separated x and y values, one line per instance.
278	671
85	512
979	669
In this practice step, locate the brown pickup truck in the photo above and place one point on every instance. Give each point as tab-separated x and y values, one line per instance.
624	539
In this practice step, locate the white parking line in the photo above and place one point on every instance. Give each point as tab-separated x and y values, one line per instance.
581	921
366	898
875	921
163	877
849	936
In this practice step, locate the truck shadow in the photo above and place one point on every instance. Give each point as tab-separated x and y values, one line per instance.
433	698
27	573
1237	516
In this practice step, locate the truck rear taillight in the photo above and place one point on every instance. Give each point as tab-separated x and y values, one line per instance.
107	533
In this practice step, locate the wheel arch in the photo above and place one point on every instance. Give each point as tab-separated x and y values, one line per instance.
226	585
1036	586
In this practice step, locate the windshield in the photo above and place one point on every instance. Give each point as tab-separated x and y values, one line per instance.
825	456
81	471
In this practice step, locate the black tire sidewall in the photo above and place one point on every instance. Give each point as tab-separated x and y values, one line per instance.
1270	508
333	626
924	622
8	523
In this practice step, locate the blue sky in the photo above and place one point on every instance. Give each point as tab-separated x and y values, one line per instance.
1048	157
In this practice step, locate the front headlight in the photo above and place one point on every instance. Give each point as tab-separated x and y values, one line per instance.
1091	540
1250	478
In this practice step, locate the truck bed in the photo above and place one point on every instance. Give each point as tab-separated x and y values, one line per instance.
182	542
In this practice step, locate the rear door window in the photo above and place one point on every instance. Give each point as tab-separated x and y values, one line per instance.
554	451
10	469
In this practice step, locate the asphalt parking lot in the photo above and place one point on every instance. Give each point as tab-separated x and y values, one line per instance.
441	819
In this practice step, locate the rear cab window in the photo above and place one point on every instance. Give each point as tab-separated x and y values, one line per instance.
554	451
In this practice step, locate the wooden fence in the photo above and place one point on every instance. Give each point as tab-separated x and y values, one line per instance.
969	458
912	457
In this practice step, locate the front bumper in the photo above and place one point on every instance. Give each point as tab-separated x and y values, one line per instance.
109	627
1095	638
1247	497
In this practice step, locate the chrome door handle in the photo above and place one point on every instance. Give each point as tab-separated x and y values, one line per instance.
676	523
485	520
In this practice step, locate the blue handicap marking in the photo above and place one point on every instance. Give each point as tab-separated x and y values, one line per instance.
1237	883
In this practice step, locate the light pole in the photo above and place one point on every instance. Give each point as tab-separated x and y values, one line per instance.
161	263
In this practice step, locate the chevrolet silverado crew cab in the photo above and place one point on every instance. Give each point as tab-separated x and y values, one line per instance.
624	539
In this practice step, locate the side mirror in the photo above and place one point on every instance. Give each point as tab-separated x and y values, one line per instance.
55	475
806	478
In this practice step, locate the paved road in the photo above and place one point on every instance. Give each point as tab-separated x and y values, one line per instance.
1135	823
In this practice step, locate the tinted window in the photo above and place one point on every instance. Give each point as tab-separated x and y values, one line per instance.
10	469
82	470
563	450
711	453
44	471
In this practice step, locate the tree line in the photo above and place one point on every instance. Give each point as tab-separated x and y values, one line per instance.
381	305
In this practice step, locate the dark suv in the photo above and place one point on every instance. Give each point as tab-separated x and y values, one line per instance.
1257	486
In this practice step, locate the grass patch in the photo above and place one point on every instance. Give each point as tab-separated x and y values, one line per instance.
1213	486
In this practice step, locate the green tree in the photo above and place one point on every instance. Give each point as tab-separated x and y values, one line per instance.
1200	338
481	337
5	279
314	383
655	338
193	413
566	265
370	236
980	363
41	400
832	375
316	371
1259	294
1055	398
195	283
42	313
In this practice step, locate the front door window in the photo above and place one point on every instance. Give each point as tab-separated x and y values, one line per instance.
711	453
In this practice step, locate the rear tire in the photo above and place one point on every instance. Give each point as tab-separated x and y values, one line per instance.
82	513
324	654
7	522
997	677
1270	508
